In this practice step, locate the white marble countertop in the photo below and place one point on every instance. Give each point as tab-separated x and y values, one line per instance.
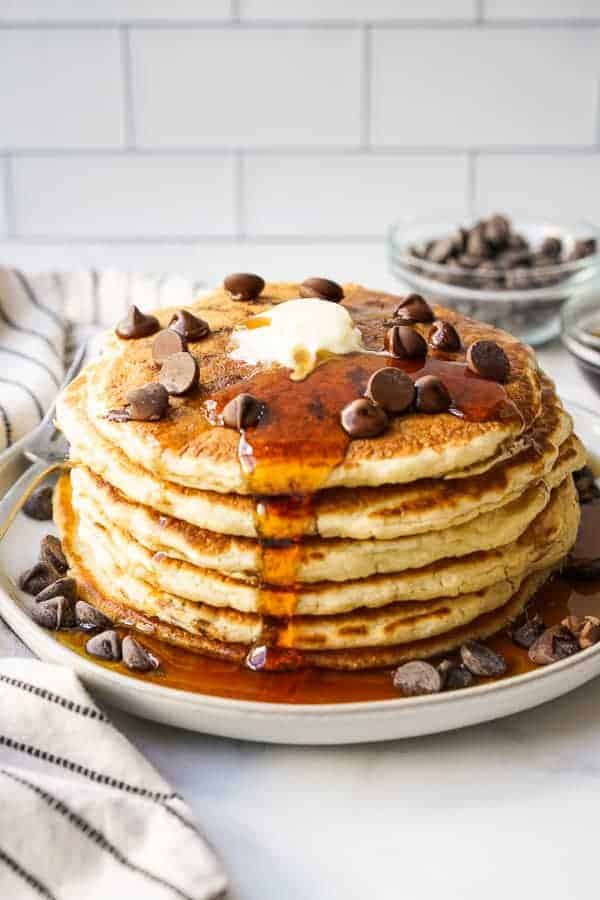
501	809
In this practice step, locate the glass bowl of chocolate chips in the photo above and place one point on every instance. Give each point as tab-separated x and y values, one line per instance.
514	274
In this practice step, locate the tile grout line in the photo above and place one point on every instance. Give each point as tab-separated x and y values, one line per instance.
127	77
365	88
295	24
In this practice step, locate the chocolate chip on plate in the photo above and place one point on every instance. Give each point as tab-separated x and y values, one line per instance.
51	553
444	336
322	288
414	308
527	632
54	613
481	660
363	419
553	644
589	635
37	578
39	504
106	645
148	403
179	374
488	359
432	395
189	326
417	678
243	411
391	389
405	342
244	285
87	616
137	324
454	675
136	657
166	343
60	587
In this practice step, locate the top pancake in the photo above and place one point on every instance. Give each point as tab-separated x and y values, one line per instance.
299	445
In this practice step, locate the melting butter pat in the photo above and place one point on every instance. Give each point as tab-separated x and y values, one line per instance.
297	334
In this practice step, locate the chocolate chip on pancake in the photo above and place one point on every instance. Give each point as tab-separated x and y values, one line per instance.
148	403
136	657
244	285
37	578
414	308
106	645
39	504
444	336
488	359
51	553
54	613
87	616
363	419
432	395
417	678
179	374
189	326
243	411
405	342
391	389
165	344
322	288
136	324
481	660
60	587
553	644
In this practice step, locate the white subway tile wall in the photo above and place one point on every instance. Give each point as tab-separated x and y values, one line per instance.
243	123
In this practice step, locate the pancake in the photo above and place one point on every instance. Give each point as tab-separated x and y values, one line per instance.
542	544
315	559
292	448
382	513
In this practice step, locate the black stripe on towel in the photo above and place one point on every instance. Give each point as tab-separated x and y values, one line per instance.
93	834
32	359
27	390
88	711
30	331
33	297
27	877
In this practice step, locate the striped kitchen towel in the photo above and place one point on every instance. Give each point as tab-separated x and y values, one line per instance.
82	815
36	315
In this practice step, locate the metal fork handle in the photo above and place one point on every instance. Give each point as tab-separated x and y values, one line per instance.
24	488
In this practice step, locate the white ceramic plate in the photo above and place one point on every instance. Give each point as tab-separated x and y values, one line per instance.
281	723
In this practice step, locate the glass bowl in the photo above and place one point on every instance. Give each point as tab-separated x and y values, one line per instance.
580	330
525	301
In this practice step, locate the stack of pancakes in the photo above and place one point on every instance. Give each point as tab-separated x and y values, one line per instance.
289	535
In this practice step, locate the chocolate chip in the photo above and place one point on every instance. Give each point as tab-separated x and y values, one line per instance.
480	660
61	587
454	675
432	395
551	246
180	374
582	248
496	230
362	419
468	261
477	244
54	613
391	389
137	324
553	644
51	553
585	482
322	288
37	578
488	359
106	645
243	411
87	616
148	403
444	336
189	326
405	342
417	678
165	344
441	250
39	504
574	624
244	285
589	635
414	308
136	657
527	633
